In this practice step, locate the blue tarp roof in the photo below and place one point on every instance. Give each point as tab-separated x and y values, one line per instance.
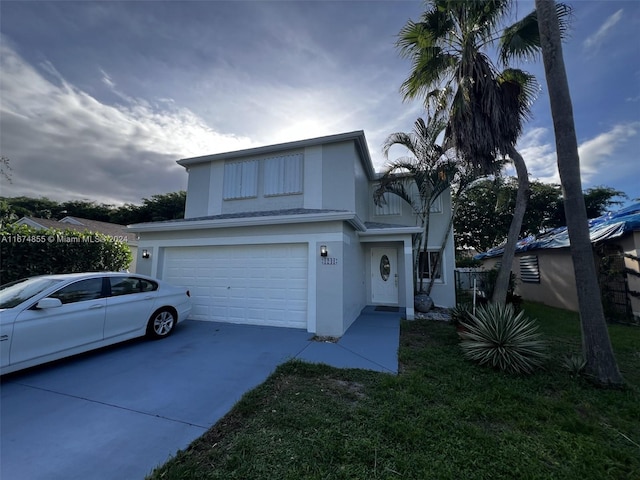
609	225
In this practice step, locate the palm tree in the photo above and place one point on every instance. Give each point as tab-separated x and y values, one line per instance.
596	345
418	179
487	107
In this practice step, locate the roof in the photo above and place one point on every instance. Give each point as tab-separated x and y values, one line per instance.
81	224
247	219
608	226
355	136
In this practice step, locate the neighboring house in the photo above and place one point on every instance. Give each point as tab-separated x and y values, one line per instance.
288	235
118	232
544	268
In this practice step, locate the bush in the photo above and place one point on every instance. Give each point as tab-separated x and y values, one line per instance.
461	314
501	338
26	251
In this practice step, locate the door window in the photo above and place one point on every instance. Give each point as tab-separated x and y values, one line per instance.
80	291
385	268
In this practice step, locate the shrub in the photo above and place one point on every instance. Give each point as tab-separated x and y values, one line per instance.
574	364
501	338
26	251
461	313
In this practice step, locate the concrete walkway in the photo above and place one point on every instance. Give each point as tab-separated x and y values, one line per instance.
121	411
371	343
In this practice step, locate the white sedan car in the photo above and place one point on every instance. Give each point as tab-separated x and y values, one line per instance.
49	317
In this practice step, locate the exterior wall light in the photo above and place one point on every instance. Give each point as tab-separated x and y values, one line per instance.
145	253
323	251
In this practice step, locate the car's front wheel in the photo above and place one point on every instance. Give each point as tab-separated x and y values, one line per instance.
161	323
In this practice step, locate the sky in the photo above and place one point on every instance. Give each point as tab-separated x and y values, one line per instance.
99	99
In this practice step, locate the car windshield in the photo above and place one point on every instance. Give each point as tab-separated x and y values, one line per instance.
14	293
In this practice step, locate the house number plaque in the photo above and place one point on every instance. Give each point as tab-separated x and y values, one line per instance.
329	261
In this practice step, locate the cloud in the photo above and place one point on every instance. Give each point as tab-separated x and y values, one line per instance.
597	154
540	155
64	143
594	41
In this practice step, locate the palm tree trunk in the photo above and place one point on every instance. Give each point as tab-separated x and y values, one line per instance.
596	345
522	197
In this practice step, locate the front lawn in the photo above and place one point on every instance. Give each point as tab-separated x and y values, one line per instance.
440	418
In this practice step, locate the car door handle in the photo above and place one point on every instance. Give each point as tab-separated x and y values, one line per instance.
150	297
93	307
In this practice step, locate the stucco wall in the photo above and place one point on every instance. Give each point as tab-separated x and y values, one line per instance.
338	182
198	191
354	277
557	285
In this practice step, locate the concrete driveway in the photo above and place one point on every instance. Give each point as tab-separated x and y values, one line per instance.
119	412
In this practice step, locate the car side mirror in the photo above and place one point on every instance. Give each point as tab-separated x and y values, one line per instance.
49	303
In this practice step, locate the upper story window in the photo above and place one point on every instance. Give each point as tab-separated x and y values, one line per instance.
436	204
392	205
240	180
283	175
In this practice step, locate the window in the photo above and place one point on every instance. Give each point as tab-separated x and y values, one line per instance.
529	269
391	205
127	285
430	262
148	286
240	180
283	175
436	204
88	289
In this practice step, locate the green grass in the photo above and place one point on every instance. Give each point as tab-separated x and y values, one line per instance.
440	418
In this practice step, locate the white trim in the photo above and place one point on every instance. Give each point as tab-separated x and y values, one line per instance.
312	284
242	222
29	223
243	240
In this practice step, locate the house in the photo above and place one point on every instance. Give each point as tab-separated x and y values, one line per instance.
543	265
113	230
288	235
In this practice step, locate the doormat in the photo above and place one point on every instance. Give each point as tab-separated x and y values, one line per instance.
382	308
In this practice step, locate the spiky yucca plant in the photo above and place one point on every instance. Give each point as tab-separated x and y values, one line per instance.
503	339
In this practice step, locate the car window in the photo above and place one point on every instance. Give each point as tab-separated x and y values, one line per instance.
80	291
124	285
14	293
127	285
148	286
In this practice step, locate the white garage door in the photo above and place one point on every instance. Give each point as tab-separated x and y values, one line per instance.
253	284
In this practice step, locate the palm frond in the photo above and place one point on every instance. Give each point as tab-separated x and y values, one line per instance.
522	39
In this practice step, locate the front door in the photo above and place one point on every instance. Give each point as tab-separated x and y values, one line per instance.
384	276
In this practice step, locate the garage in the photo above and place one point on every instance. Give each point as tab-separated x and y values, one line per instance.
249	284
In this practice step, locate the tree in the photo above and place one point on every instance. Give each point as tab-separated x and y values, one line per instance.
168	206
418	179
598	200
487	107
86	209
596	345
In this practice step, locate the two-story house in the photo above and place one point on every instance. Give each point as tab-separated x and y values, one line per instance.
288	235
